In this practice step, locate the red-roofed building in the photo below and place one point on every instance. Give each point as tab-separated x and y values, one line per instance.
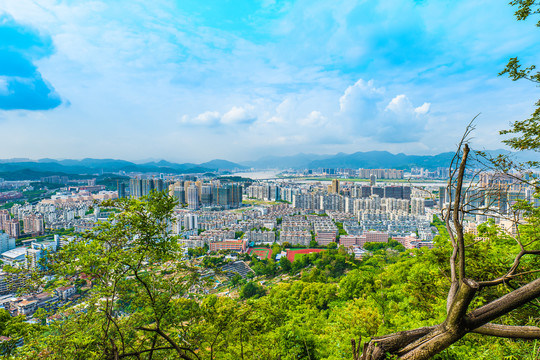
236	245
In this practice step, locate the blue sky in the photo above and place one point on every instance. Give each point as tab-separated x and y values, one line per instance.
195	80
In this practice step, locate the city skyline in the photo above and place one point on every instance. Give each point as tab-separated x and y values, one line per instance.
186	81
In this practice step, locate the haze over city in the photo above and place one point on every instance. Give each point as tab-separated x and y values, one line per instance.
237	80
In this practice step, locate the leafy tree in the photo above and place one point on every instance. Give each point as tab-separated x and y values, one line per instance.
252	289
332	245
285	264
276	249
527	131
198	251
235	280
138	304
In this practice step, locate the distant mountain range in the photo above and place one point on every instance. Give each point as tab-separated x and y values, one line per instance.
369	160
14	169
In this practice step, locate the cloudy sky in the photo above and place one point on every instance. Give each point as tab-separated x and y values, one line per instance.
192	80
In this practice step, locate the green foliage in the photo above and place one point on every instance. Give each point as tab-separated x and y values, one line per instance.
285	264
391	244
16	328
276	249
526	8
235	280
340	229
313	312
264	267
527	131
137	283
198	251
252	290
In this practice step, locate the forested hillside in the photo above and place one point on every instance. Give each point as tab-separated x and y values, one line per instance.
144	303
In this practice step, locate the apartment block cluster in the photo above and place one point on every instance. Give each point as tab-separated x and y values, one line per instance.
395	211
295	230
355	242
272	191
421	173
217	229
354	198
62	211
380	173
301	229
31	223
495	192
212	195
493	198
358	173
49	301
27	256
10	226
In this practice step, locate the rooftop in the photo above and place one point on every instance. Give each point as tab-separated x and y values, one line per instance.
14	253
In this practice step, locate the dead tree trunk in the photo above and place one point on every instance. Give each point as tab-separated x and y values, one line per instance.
424	343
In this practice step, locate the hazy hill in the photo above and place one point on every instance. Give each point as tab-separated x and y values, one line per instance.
219	164
370	160
14	169
298	161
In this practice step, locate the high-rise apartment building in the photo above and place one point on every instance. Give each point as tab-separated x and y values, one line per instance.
4	218
143	187
121	188
335	186
135	188
178	191
6	242
193	197
206	195
33	224
13	228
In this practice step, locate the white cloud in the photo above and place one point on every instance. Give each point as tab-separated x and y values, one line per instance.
367	112
121	65
239	115
361	93
423	109
207	118
4	90
400	104
315	118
